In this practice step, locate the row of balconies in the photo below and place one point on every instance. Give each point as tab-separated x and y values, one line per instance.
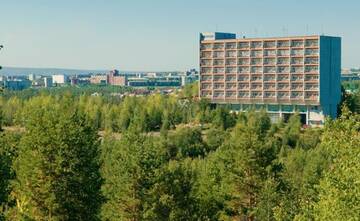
242	78
260	44
259	69
265	86
260	61
263	95
260	53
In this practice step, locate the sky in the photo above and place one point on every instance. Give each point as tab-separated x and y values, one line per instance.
158	35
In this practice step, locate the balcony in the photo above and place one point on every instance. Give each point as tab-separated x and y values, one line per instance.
256	87
269	69
231	45
283	61
311	95
230	70
230	94
297	52
243	61
218	46
206	46
297	43
205	54
268	86
256	53
311	43
206	78
256	94
283	44
312	60
269	44
256	61
283	69
311	52
297	69
218	70
269	53
245	79
230	78
230	86
312	87
296	86
218	54
244	70
243	95
256	69
243	45
283	87
219	86
297	95
269	95
218	62
283	52
256	79
297	78
231	54
218	95
311	69
243	87
282	78
311	79
297	61
269	78
205	70
283	95
206	86
206	93
256	44
218	78
269	61
244	53
205	62
230	62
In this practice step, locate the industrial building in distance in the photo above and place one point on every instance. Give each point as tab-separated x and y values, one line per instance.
281	75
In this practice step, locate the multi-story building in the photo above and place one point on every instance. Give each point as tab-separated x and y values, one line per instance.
114	78
59	79
282	75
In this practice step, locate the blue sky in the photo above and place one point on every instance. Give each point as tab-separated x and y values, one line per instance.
158	34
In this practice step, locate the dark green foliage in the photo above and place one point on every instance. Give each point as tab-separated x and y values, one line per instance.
8	153
58	167
186	142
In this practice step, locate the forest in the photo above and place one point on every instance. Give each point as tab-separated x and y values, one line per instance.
67	155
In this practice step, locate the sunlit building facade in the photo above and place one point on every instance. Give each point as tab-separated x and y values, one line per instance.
281	75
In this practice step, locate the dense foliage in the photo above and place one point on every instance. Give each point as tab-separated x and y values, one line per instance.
67	156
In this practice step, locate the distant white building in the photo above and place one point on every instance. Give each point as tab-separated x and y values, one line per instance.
32	77
59	79
48	82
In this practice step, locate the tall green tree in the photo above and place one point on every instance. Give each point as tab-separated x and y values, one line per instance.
57	169
340	188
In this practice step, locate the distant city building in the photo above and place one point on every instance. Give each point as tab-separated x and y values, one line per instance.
32	77
48	82
17	84
59	79
98	79
114	78
282	75
189	77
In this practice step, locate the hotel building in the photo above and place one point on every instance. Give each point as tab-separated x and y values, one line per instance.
282	75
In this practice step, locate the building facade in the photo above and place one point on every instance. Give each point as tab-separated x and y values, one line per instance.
282	75
59	79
